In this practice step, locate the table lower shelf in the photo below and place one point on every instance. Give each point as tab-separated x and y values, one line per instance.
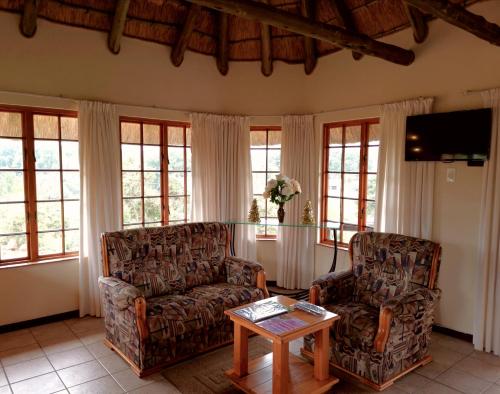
260	377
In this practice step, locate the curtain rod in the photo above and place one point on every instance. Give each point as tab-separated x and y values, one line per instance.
476	91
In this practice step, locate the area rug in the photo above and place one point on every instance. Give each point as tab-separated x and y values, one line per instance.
205	374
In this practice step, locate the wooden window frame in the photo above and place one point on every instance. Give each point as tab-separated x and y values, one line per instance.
29	175
363	177
267	129
164	170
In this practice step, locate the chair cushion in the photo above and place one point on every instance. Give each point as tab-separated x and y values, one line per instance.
224	296
357	326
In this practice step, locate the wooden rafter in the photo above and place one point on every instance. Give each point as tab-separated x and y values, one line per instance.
177	55
266	47
249	9
115	35
28	19
310	59
460	17
344	16
223	44
417	22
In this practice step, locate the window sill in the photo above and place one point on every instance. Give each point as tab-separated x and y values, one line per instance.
330	246
266	239
38	262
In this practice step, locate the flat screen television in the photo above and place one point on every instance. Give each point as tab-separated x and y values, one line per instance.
449	136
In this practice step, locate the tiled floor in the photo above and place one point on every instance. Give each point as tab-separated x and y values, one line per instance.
69	357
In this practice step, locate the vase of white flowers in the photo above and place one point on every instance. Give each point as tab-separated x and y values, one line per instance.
281	190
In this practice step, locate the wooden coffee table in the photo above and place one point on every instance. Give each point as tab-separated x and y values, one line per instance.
279	371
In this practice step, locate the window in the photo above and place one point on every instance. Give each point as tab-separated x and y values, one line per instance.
156	172
350	159
39	184
265	148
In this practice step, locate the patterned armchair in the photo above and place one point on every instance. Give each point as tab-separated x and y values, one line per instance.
386	303
165	289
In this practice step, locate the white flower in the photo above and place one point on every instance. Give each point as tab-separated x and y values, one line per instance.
287	191
266	194
271	184
281	177
295	186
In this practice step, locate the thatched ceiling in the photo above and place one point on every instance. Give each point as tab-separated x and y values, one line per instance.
162	21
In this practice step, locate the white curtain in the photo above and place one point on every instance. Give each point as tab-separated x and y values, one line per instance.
295	253
405	190
222	175
100	193
487	311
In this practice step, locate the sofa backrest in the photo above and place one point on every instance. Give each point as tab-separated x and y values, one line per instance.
386	265
169	259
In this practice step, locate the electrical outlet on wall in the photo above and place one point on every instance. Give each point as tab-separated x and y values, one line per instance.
451	174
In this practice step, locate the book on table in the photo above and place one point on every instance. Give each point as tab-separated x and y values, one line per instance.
261	310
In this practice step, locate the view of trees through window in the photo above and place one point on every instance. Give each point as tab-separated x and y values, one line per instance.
350	177
156	172
265	148
39	185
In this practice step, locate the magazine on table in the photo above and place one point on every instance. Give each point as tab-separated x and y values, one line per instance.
261	310
282	324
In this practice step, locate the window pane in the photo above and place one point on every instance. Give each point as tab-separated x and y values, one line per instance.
334	185
351	185
13	218
69	128
188	136
175	158
274	160
373	158
274	139
258	139
70	155
71	185
131	184
371	191
176	208
131	157
49	216
189	184
152	184
151	157
260	230
132	211
258	159
176	184
353	135
71	241
71	214
335	136
335	159
47	155
370	214
259	182
272	210
152	209
46	127
49	243
48	185
11	153
188	159
151	134
347	235
374	133
131	133
272	230
11	186
333	212
11	124
351	211
188	209
261	204
351	160
176	136
13	247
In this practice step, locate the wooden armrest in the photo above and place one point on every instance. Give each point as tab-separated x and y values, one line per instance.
261	283
140	312
384	328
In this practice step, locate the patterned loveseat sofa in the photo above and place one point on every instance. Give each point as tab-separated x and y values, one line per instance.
165	289
386	303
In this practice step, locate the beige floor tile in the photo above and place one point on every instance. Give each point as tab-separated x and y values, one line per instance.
10	341
57	345
89	337
99	349
16	333
163	387
3	378
444	355
50	331
82	325
104	385
44	384
82	373
70	357
432	370
486	357
28	369
5	390
113	363
19	354
413	383
494	389
457	345
464	382
479	369
438	388
129	380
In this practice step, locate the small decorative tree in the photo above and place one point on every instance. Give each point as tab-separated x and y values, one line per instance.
308	215
253	214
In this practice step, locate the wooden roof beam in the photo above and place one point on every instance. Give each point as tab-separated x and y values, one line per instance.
344	16
266	47
177	55
264	13
223	44
115	35
28	19
310	58
460	17
417	22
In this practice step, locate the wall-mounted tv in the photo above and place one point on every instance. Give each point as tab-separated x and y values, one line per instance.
461	135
